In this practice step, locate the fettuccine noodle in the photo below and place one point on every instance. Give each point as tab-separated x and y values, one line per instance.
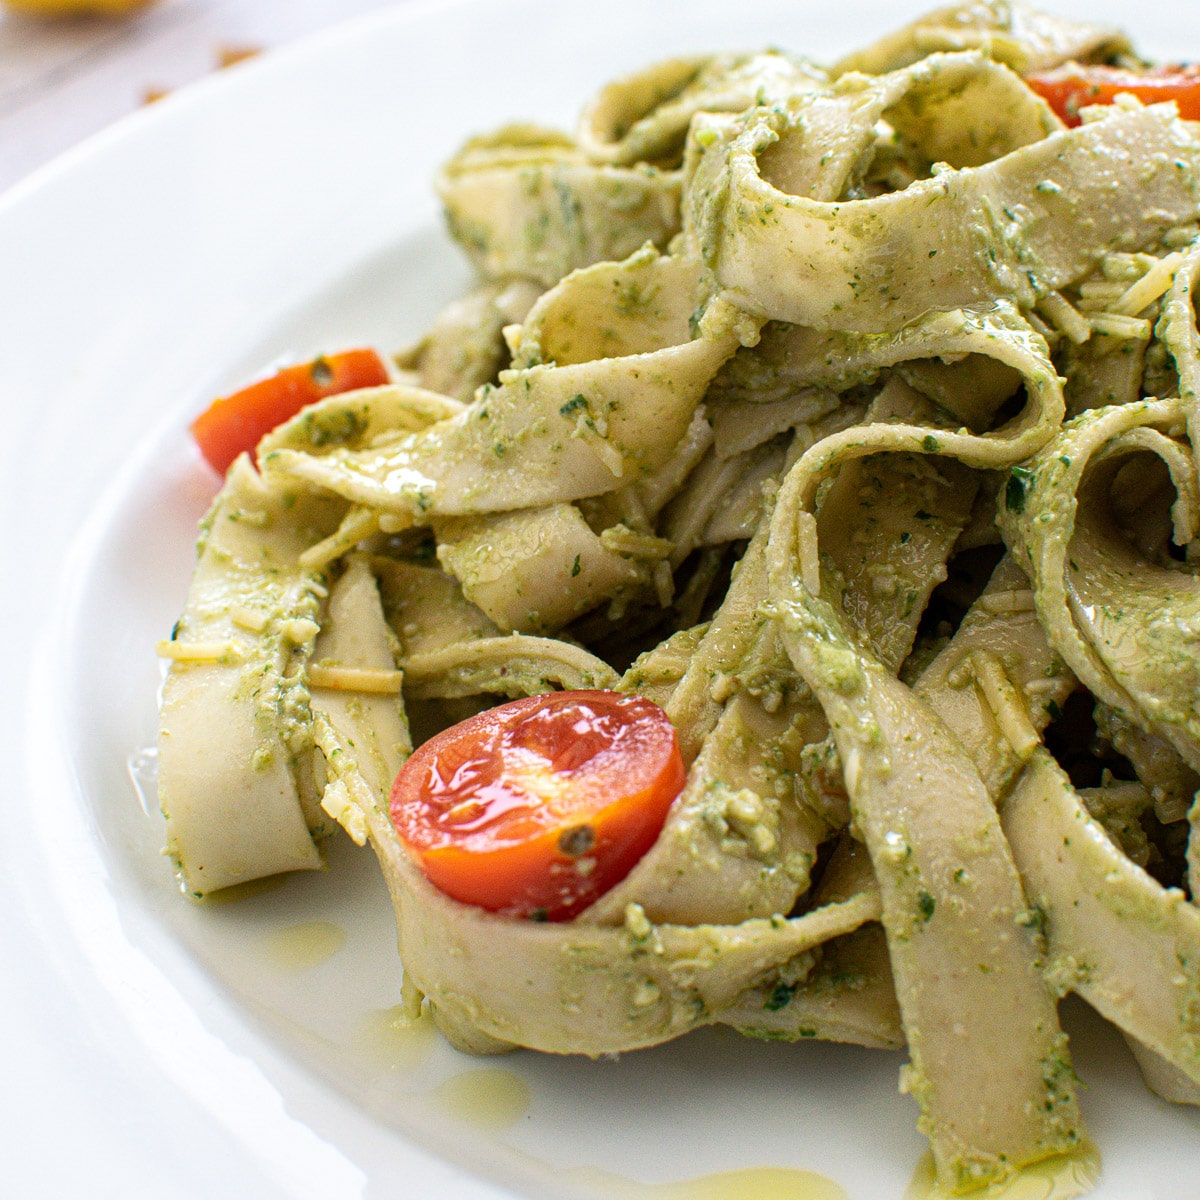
850	413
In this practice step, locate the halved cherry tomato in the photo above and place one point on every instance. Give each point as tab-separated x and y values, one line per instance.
237	423
537	807
1070	88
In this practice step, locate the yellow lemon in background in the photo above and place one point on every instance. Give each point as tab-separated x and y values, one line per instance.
75	8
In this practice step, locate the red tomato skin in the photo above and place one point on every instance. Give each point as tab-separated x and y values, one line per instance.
1070	88
536	808
236	423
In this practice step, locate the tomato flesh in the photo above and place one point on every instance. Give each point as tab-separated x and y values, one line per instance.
1072	87
235	424
537	807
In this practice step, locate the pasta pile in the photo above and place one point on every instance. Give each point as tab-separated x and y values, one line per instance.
848	413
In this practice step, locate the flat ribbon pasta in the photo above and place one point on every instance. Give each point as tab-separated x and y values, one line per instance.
235	728
950	892
1124	623
570	987
526	202
594	418
1022	37
774	223
999	334
644	117
1128	945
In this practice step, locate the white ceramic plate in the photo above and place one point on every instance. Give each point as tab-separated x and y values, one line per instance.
158	1048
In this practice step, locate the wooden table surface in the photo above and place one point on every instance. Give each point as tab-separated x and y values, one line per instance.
62	80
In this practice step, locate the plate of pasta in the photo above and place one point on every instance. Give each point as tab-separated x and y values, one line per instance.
669	669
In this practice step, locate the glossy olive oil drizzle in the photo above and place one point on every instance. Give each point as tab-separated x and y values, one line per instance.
491	1099
392	1038
749	1183
1063	1177
305	945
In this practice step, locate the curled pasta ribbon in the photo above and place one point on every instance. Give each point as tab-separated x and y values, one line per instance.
527	202
495	982
644	117
354	420
773	210
1125	618
612	373
1014	34
232	725
534	570
1120	939
998	333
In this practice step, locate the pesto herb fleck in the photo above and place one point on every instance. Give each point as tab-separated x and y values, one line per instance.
780	997
1014	493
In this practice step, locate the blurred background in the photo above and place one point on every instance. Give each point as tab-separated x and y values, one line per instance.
66	73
